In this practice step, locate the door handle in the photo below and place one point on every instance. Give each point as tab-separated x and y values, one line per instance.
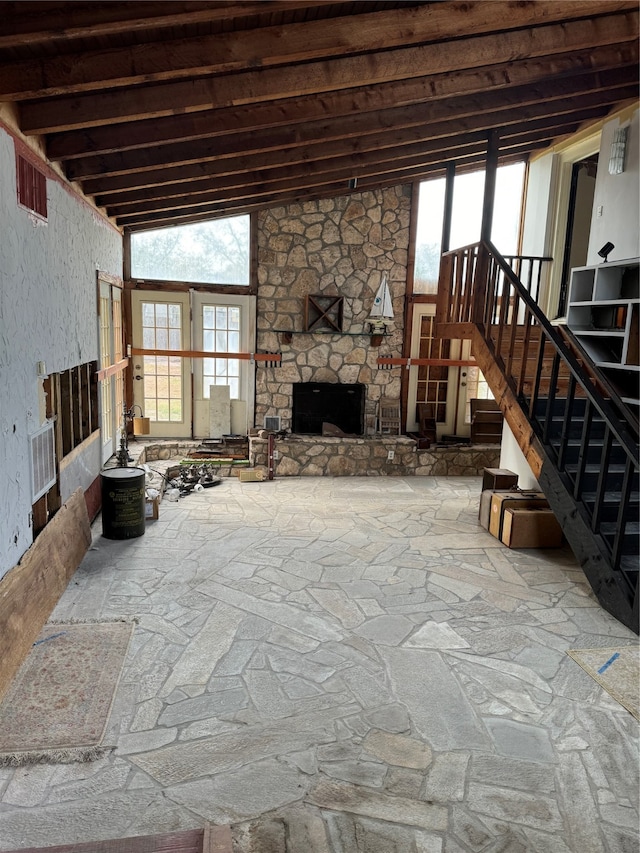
137	376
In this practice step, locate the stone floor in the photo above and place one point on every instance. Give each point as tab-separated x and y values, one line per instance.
356	657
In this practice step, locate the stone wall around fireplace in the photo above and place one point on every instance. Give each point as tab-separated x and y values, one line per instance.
331	247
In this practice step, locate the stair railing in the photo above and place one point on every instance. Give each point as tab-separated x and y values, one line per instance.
564	406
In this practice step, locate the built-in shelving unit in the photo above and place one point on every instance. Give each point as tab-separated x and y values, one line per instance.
604	315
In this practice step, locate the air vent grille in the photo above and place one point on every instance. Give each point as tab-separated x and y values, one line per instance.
43	461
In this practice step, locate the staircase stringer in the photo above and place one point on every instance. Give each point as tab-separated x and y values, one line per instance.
587	546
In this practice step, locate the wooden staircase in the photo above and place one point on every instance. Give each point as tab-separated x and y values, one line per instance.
579	439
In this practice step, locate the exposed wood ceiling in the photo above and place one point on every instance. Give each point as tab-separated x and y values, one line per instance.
170	112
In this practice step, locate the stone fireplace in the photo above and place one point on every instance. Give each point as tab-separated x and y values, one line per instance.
330	249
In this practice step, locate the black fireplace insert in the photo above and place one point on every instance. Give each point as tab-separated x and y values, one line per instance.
315	403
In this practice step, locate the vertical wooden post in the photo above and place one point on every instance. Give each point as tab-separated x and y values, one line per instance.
493	147
448	208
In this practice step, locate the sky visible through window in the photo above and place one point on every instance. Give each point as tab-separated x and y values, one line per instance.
468	195
213	252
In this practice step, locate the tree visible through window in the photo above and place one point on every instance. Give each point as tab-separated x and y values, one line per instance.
213	252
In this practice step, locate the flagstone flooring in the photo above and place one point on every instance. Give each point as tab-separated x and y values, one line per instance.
357	657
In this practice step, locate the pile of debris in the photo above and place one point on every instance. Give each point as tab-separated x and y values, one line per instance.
183	479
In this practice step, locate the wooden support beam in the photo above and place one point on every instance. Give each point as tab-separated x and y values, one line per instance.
226	52
319	158
22	26
242	356
234	189
349	72
283	113
402	126
254	200
491	168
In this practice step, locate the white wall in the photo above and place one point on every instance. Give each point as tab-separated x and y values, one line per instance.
617	195
47	313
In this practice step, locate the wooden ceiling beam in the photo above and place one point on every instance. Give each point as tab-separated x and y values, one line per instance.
376	146
437	118
330	190
36	23
226	52
309	173
153	101
120	137
372	174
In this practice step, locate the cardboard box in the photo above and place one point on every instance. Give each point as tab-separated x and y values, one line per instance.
252	475
531	528
498	479
500	501
484	513
151	509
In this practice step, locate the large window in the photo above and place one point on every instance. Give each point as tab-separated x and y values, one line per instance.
466	219
213	252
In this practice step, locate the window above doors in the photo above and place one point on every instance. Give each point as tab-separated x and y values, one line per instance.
215	252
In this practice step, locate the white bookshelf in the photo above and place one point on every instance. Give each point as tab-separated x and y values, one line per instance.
604	314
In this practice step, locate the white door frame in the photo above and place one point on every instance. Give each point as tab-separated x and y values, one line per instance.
559	200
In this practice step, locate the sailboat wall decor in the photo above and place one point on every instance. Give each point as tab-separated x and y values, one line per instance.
381	314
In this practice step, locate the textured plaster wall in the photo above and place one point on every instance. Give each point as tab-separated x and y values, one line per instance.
47	313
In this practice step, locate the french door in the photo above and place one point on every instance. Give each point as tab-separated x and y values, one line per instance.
442	387
173	391
162	380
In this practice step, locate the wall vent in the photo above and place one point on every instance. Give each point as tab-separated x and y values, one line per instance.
272	422
31	186
43	461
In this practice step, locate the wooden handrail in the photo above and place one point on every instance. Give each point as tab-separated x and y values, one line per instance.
479	288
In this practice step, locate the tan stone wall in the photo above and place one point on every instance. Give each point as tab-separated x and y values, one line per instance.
338	247
317	456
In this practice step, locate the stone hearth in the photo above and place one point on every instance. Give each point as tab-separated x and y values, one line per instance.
317	456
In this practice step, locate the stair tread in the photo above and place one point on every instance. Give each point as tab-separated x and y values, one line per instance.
612	498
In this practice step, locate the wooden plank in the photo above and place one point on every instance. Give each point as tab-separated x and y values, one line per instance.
186	841
112	370
252	117
78	20
30	591
242	356
480	53
226	52
321	156
217	839
440	118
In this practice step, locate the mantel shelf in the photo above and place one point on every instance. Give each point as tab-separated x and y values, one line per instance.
320	332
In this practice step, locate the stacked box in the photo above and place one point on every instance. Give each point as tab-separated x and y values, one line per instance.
531	528
498	479
501	501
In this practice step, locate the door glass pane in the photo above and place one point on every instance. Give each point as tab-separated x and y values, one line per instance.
220	333
162	374
432	380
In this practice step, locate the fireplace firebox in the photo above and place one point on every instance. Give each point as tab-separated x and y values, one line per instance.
315	403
